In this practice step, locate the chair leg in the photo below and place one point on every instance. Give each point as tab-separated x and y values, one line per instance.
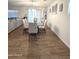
29	37
36	36
24	31
45	30
32	36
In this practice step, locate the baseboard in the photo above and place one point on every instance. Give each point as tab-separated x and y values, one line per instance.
61	39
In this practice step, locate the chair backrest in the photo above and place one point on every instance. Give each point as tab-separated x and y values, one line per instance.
25	23
33	28
45	22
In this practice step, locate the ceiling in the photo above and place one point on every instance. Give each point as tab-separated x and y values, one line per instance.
38	3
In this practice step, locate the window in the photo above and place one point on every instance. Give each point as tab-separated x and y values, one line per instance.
12	13
33	13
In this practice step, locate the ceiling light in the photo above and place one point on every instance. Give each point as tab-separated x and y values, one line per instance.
34	0
45	0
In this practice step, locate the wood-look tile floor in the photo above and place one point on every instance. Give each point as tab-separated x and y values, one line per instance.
46	46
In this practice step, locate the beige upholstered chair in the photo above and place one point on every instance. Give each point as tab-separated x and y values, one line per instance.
25	24
42	26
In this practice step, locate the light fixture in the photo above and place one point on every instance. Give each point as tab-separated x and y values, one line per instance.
33	0
45	0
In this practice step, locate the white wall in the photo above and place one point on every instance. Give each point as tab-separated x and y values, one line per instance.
60	22
22	12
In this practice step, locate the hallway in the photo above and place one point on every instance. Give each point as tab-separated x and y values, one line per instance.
47	46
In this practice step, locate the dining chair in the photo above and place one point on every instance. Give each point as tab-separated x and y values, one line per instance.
42	25
25	25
